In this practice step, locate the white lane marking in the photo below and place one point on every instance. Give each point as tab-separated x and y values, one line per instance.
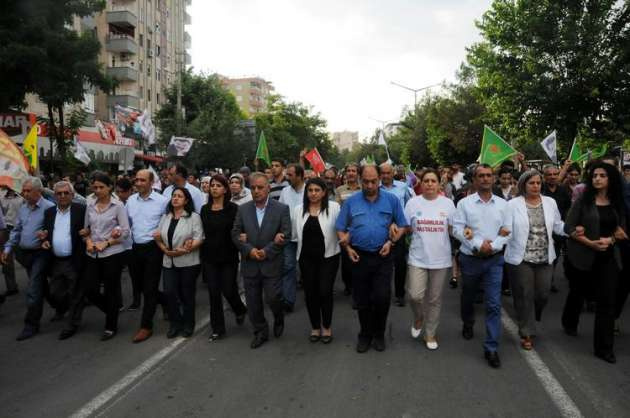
554	389
110	393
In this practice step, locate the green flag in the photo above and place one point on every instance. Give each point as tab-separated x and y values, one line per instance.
576	155
494	149
262	153
599	152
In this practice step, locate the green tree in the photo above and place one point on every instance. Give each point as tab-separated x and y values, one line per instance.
554	64
292	127
212	117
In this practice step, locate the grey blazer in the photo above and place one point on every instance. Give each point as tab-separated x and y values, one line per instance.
586	215
188	227
276	220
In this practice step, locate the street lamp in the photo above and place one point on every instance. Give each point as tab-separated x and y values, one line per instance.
415	91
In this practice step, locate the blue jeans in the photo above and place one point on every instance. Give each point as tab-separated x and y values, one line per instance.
36	263
289	276
488	271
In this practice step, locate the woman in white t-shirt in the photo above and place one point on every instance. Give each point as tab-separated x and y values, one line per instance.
430	218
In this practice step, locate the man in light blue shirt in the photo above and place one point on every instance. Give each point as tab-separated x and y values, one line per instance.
477	224
292	196
25	240
363	229
403	193
145	209
179	174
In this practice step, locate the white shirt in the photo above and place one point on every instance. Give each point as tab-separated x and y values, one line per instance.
195	193
61	240
292	198
145	215
429	221
458	180
484	218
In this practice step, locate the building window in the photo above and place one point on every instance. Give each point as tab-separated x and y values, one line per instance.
157	98
141	92
157	51
157	74
148	71
141	39
140	66
148	95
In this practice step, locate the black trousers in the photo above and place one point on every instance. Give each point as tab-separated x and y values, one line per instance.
145	268
221	280
318	277
254	288
346	270
371	290
604	279
400	252
180	285
105	270
63	281
623	288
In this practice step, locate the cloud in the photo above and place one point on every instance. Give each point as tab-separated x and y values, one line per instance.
337	56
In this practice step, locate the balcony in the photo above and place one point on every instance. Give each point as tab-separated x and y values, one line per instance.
121	43
124	99
188	59
187	19
123	73
122	18
187	40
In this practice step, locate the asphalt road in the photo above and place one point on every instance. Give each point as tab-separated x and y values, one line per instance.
291	377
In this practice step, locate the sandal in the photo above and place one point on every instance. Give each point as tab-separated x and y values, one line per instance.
526	343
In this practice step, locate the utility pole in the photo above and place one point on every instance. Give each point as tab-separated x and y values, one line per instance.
178	66
415	91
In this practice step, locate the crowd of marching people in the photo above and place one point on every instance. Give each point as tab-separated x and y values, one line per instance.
255	237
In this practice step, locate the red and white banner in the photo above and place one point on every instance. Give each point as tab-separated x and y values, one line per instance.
316	161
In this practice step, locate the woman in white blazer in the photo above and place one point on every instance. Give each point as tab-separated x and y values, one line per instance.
318	255
531	219
179	236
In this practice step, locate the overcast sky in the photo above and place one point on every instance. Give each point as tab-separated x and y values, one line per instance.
338	56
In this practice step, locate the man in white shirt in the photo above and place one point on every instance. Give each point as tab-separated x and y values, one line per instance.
458	177
292	196
179	174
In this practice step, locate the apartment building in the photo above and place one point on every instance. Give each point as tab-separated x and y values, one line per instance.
345	140
251	93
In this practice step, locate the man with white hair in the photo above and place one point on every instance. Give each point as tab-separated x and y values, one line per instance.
25	241
62	225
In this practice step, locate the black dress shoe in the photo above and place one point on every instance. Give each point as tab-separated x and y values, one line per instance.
493	359
67	333
607	357
108	335
288	307
216	336
259	339
27	332
379	343
133	307
314	338
278	327
572	332
188	332
173	332
327	339
467	332
363	344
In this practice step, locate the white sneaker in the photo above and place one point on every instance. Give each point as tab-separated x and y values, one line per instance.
432	345
415	332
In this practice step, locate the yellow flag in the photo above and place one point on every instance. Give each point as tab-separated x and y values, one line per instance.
30	147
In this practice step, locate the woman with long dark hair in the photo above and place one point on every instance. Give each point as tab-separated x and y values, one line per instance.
220	255
179	236
594	254
318	254
105	218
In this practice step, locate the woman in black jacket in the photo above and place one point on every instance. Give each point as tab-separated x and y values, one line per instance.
594	255
219	255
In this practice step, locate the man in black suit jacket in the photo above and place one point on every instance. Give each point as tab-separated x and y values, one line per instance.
261	228
62	226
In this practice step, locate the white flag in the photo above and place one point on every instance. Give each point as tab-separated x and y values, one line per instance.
180	145
147	128
549	144
80	153
157	184
381	140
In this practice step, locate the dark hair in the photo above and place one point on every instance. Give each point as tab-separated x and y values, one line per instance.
506	170
508	163
124	184
278	160
317	181
487	166
101	177
614	191
181	170
363	167
574	167
188	207
299	170
220	178
428	171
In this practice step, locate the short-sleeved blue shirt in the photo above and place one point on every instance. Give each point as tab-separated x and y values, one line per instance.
368	222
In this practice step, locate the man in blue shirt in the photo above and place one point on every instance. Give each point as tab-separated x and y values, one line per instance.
145	209
363	230
25	240
477	225
403	193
